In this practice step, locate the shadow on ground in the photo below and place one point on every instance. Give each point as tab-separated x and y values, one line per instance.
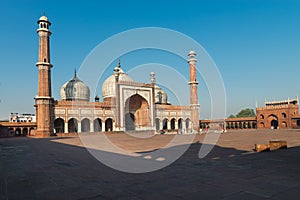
42	169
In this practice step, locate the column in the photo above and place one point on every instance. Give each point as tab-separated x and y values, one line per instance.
66	127
169	125
79	127
102	126
91	126
183	127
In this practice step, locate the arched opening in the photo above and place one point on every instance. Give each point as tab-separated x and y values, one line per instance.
284	124
240	125
18	132
137	113
97	125
173	124
187	123
261	116
228	126
72	125
180	124
129	122
11	131
236	125
253	124
232	125
157	121
274	124
273	121
201	125
85	125
59	125
262	125
30	130
108	125
298	122
25	131
165	124
283	115
249	125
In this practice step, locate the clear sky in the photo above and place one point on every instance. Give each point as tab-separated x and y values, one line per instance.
254	43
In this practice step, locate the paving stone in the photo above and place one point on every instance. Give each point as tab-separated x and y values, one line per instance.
61	168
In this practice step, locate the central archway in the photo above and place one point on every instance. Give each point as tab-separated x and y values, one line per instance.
274	123
137	113
129	122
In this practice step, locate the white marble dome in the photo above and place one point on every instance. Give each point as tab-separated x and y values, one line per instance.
161	96
109	87
74	90
43	18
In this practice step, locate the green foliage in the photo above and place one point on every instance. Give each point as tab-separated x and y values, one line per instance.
231	116
246	113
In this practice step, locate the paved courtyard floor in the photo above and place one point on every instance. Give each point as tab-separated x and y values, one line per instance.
62	168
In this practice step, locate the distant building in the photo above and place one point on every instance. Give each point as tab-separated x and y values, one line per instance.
16	117
273	115
279	115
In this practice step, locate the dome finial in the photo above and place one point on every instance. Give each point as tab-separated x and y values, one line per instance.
152	77
75	75
119	63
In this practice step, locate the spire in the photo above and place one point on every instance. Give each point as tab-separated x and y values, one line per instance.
119	63
75	75
152	77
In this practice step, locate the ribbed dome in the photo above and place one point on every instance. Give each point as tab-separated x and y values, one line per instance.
109	87
160	95
75	89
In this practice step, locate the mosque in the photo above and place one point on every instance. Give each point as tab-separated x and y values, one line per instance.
127	105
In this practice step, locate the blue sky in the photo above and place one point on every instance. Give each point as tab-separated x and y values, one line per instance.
255	44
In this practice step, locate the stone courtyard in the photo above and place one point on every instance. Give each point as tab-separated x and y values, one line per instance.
62	168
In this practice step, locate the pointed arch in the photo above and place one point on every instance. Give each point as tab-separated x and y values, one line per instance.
108	125
136	112
165	124
180	123
173	123
85	125
59	125
73	125
97	125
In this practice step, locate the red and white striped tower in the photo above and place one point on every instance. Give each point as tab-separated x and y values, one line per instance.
44	100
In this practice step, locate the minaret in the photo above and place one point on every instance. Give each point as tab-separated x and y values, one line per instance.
117	98
194	91
44	100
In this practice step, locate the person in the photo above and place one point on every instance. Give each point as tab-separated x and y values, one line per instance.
206	129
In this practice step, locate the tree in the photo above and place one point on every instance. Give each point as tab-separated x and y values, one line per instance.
231	116
246	113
